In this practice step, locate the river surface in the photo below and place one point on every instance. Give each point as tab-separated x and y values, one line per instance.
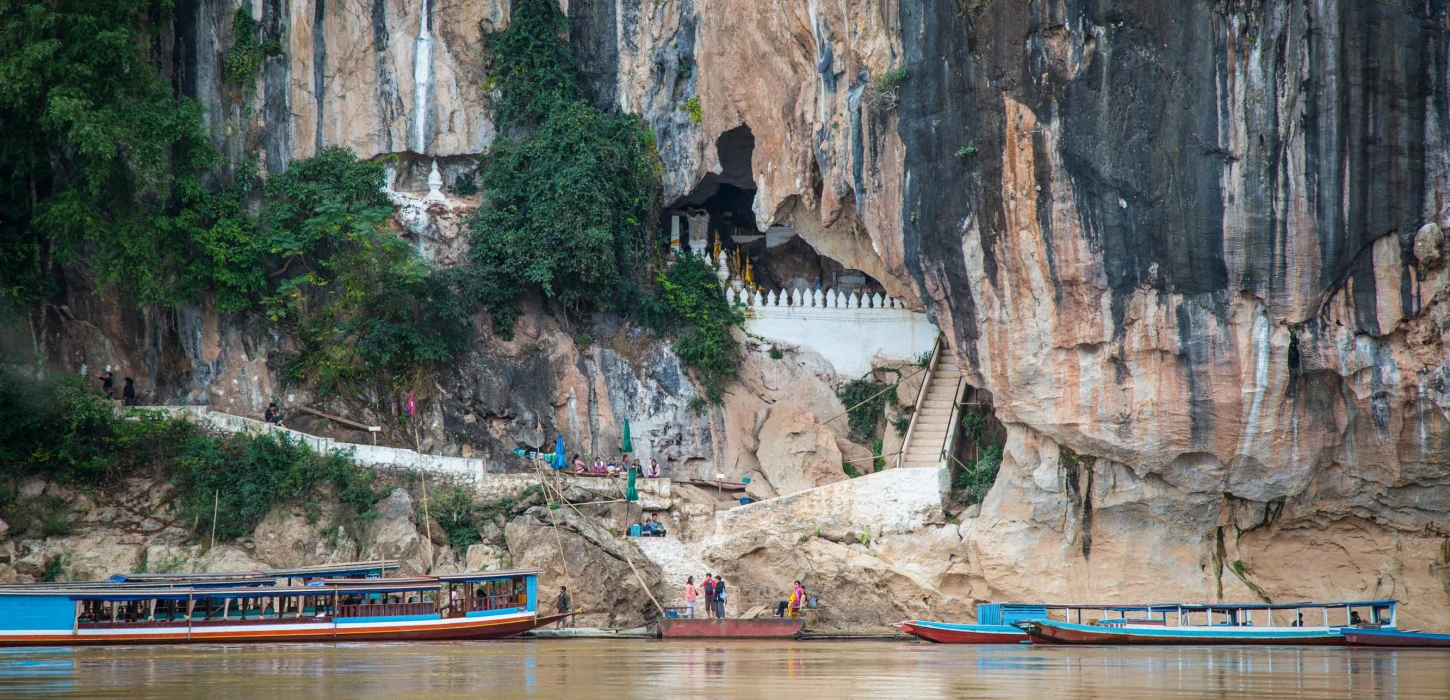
603	669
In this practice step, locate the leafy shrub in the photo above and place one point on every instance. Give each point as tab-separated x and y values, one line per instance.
54	569
357	296
865	403
454	511
691	108
248	52
244	475
568	189
885	91
974	481
56	523
901	424
97	148
76	436
462	519
465	185
776	354
689	305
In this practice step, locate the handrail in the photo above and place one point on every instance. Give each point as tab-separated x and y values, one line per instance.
920	397
949	441
387	609
496	602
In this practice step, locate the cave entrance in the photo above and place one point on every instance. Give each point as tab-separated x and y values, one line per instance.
719	214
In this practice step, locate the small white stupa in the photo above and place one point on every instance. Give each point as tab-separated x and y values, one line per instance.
435	185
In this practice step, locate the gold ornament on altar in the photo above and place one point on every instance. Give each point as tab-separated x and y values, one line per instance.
717	249
749	274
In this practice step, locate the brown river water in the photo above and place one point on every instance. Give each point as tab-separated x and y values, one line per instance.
602	669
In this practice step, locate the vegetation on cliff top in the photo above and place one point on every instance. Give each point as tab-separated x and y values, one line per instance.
98	154
569	189
104	167
107	172
688	305
66	431
570	194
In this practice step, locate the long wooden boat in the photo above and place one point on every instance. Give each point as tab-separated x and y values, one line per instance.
951	633
1218	624
1394	638
712	628
470	605
994	625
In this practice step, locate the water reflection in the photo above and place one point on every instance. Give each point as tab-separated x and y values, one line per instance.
657	670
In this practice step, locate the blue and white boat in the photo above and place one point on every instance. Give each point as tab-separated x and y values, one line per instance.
1217	623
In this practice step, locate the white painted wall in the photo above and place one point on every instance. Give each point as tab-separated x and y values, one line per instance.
853	333
654	493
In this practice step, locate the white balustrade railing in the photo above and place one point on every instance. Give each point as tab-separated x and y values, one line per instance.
816	299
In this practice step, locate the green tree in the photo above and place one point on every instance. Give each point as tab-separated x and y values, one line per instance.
688	305
97	148
569	190
357	297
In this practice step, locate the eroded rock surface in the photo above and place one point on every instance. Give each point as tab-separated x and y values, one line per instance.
610	592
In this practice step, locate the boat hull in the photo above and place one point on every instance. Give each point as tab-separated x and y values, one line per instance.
302	631
947	633
1051	632
1386	638
768	628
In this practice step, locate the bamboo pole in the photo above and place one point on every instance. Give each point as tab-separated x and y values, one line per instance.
558	540
427	519
215	506
637	575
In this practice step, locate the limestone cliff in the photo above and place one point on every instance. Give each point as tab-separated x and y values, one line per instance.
1194	251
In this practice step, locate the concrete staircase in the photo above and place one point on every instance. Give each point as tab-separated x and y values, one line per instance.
676	564
933	424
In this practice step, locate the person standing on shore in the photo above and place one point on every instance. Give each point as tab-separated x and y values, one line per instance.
128	393
690	596
108	383
719	597
564	605
709	586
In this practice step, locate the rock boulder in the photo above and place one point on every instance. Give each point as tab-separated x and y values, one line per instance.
796	452
599	579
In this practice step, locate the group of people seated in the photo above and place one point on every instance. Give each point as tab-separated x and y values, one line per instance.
649	527
617	466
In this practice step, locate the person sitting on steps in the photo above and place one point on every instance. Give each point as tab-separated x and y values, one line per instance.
655	528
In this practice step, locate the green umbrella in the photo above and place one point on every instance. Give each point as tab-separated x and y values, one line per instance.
626	446
630	493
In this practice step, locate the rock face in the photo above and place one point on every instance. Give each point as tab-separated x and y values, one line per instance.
797	453
396	536
600	580
1194	251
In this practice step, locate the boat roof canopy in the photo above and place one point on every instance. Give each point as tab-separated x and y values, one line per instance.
124	593
1198	607
472	576
353	568
229	578
1215	607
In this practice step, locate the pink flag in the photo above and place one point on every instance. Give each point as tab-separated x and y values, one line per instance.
410	404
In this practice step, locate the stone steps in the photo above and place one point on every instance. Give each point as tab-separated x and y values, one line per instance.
932	421
676	562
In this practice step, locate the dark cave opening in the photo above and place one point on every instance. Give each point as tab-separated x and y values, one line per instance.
719	214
